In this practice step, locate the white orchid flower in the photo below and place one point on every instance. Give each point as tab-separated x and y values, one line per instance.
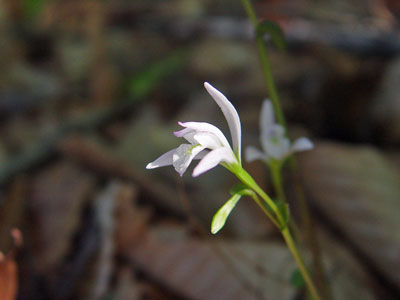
206	142
273	140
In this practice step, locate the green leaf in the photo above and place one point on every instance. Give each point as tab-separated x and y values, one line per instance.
240	189
297	280
32	8
142	83
222	214
275	32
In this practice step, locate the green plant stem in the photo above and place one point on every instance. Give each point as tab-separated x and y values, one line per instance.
276	173
300	263
246	178
304	209
250	182
265	210
266	65
269	80
250	12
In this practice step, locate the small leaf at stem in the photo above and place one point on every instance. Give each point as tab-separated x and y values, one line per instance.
240	189
297	280
275	32
222	214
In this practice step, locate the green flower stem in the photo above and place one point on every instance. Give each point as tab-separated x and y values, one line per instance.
246	178
281	222
276	173
266	65
265	209
304	209
300	263
269	80
250	12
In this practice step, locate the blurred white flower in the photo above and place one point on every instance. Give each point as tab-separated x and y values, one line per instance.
206	142
273	140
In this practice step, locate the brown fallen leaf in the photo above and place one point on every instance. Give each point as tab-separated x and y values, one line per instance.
96	156
9	269
127	288
117	225
99	268
234	269
131	221
58	196
346	276
12	210
198	269
8	278
358	191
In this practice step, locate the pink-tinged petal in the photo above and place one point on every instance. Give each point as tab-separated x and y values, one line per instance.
212	159
252	153
206	128
302	144
267	119
183	156
163	160
230	114
182	132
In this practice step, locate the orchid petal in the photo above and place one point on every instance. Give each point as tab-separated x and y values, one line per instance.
302	144
204	138
207	140
212	159
163	160
267	118
252	153
230	114
183	156
190	137
182	132
208	128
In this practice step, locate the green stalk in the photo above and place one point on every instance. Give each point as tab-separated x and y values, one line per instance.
265	210
277	181
246	178
250	12
300	263
269	80
280	220
304	209
266	66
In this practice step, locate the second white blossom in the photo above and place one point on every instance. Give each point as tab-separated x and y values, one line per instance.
274	142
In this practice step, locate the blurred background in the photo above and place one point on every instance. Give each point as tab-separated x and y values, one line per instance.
91	91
